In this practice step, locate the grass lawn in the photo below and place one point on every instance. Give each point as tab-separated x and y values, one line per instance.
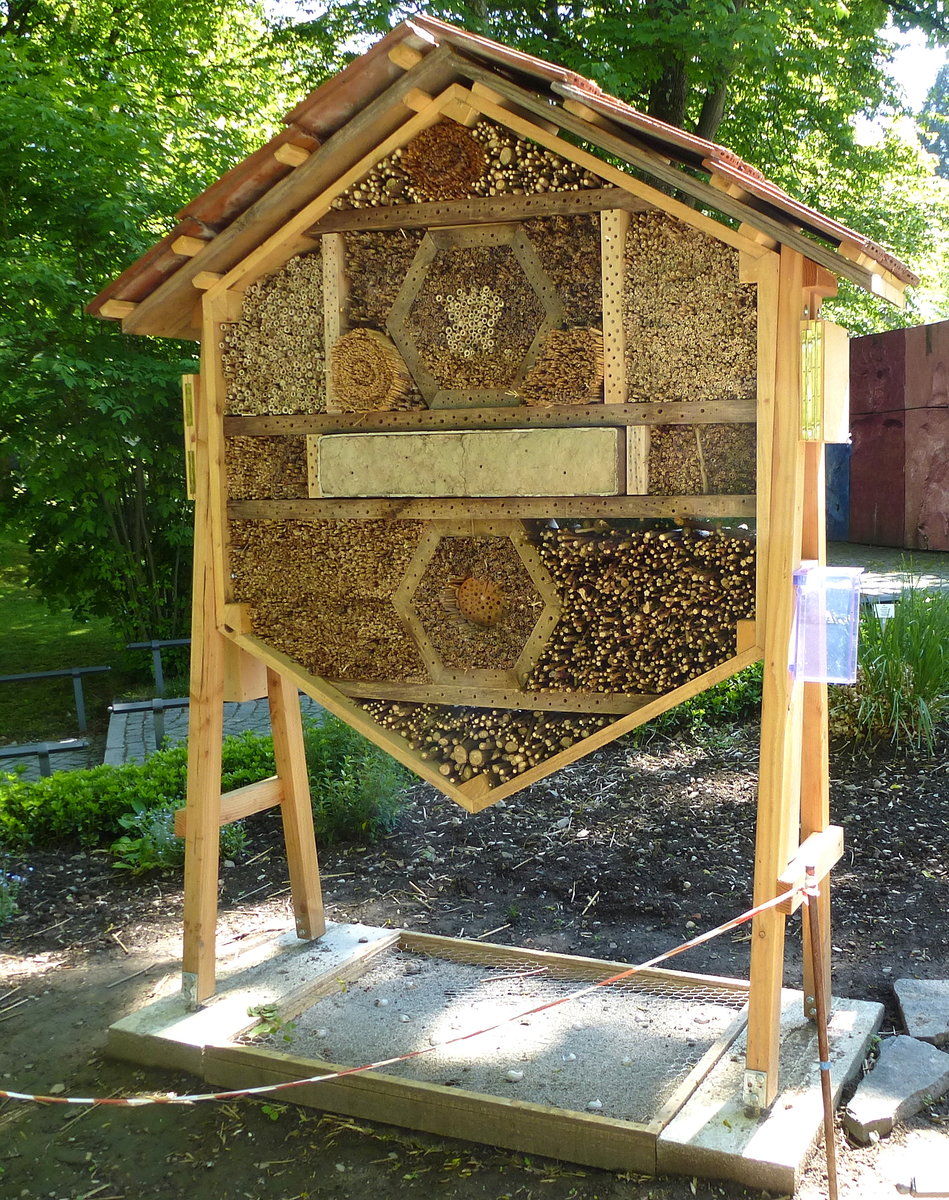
34	639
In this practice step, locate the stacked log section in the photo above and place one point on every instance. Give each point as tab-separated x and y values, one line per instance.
266	468
320	592
475	317
569	369
690	325
643	613
273	356
499	744
569	251
457	568
695	459
509	165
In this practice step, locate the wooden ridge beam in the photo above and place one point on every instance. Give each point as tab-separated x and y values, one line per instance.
514	507
677	412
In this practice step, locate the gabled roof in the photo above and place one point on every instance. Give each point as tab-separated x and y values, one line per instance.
350	114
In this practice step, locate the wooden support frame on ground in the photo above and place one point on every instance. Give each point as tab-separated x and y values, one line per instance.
310	210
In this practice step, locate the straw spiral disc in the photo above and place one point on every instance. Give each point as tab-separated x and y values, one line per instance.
367	372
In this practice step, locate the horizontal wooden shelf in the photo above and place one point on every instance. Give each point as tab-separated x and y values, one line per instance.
681	412
478	210
487	697
514	508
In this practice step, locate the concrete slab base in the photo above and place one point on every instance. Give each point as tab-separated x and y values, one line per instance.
711	1136
705	1132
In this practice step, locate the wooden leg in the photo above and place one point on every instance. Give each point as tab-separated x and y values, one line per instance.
205	734
295	806
815	797
779	777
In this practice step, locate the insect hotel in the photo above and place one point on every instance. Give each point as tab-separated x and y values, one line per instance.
499	450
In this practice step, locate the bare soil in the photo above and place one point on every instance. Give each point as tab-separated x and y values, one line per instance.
620	857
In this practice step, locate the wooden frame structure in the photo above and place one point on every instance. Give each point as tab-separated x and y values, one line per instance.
422	74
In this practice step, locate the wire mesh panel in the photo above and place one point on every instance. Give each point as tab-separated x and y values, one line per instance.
621	1049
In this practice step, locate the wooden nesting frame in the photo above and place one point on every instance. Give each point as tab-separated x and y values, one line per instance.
778	260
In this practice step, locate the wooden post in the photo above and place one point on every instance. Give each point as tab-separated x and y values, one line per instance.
779	780
815	763
206	711
295	807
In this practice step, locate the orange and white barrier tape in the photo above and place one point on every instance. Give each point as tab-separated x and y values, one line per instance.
174	1098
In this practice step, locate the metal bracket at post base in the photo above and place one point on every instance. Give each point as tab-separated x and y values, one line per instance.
754	1092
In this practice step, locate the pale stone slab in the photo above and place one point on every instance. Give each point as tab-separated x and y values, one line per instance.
924	1004
495	462
712	1135
907	1075
166	1033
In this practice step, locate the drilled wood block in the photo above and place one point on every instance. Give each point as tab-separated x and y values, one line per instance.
509	462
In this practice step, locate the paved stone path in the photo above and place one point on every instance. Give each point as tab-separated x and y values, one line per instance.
132	735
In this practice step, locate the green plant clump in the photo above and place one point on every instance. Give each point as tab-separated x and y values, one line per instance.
712	712
902	690
356	791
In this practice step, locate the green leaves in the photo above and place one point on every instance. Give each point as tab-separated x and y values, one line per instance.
112	116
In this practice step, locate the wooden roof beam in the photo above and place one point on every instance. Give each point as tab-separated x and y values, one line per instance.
873	281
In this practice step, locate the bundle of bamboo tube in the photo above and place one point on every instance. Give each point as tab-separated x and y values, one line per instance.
508	164
643	612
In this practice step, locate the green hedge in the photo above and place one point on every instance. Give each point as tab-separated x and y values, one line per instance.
356	790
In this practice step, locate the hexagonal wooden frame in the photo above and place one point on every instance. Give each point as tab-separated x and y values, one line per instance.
404	597
436	241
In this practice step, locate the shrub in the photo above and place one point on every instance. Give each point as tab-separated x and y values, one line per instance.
722	706
902	689
356	792
356	788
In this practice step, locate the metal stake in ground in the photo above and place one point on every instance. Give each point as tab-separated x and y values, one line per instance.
823	1042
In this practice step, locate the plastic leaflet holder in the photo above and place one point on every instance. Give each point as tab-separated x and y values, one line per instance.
826	621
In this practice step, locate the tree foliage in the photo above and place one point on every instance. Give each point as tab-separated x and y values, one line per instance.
113	113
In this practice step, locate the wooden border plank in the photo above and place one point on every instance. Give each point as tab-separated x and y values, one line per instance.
672	412
505	508
479	798
779	774
349	711
614	225
445	1111
477	210
614	143
167	311
335	303
239	803
485	697
291	238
